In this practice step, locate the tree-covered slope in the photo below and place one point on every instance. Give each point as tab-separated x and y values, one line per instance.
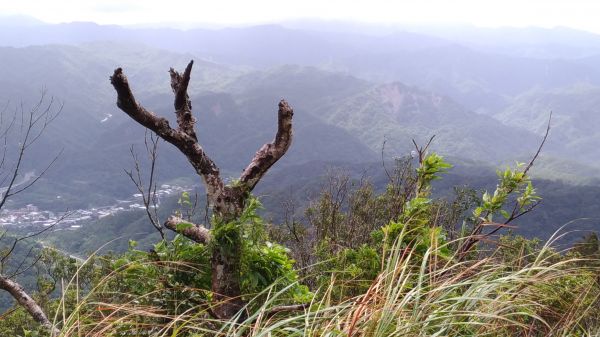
575	117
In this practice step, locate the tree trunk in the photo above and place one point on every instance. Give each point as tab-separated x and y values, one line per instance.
227	252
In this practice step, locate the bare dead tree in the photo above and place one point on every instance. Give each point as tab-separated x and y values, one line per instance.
25	127
226	200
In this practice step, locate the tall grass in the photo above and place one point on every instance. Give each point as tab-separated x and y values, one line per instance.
414	295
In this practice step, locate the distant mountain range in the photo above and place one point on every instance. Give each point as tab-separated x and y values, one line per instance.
466	63
345	118
576	117
350	92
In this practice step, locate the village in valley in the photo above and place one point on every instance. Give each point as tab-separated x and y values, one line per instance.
32	216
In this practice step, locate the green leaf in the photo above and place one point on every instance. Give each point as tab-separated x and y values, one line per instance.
477	211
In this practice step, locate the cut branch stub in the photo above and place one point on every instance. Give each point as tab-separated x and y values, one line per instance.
271	152
183	105
195	233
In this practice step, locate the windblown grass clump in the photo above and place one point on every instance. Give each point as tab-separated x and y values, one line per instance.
413	295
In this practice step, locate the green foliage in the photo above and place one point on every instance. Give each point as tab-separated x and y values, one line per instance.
413	295
267	265
178	272
511	181
429	170
415	219
56	273
385	253
264	263
517	250
18	323
186	210
354	268
400	281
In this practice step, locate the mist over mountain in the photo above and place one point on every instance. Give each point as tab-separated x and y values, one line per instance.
449	63
486	94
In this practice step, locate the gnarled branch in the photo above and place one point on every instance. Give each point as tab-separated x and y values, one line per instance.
183	105
184	140
271	152
197	233
19	294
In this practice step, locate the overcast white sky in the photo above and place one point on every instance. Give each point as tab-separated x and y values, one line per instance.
582	14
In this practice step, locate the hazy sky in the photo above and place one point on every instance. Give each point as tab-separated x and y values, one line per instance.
583	14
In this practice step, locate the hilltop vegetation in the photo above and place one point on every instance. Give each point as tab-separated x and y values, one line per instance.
367	263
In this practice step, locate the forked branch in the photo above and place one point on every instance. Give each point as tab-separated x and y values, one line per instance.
182	138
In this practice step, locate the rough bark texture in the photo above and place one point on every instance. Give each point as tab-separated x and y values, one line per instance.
226	201
270	153
19	294
197	233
